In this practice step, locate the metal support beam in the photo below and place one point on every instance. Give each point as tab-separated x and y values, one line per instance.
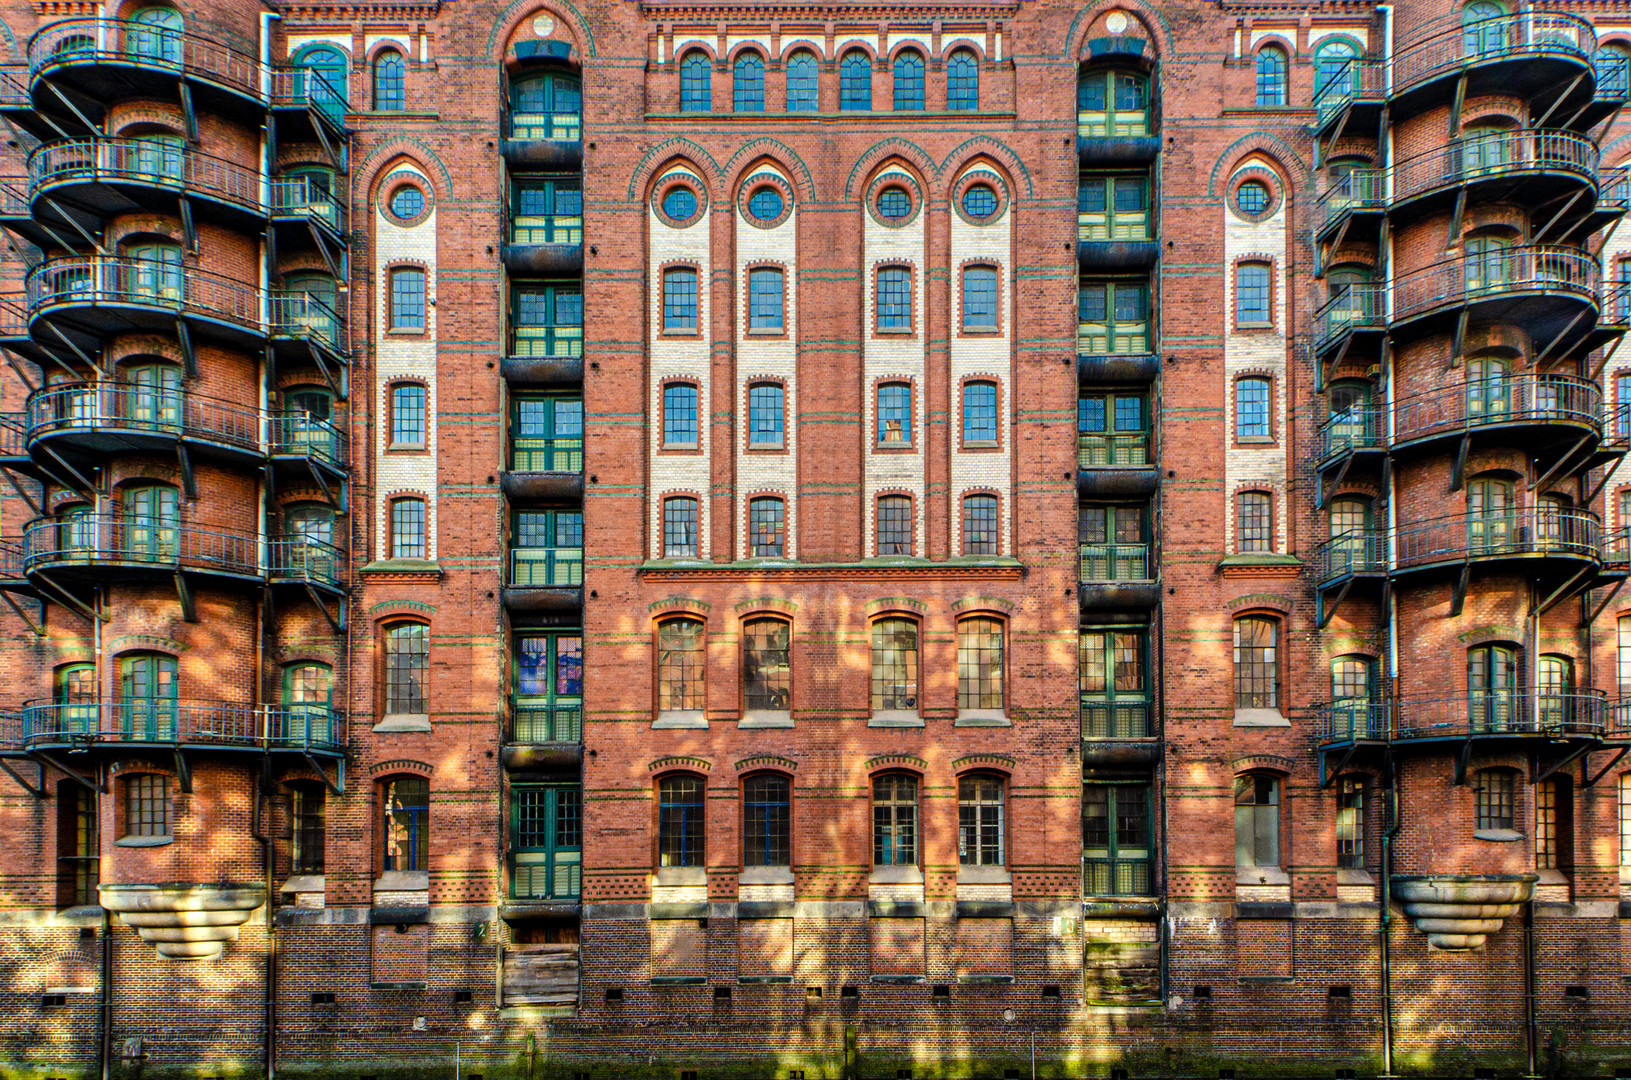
1567	760
1461	762
1455	106
1453	235
1329	776
337	787
187	228
1565	590
323	607
1553	220
185	596
1565	458
1608	474
85	484
39	792
1459	596
1588	616
75	773
1325	491
1561	98
1460	339
39	511
37	626
1458	471
70	601
1328	613
89	237
83	119
77	351
189	359
184	461
1613	761
187	112
184	772
1559	336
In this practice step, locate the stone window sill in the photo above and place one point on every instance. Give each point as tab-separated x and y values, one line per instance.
765	875
894	718
1498	836
981	718
766	718
402	881
144	841
1260	718
896	875
680	718
1261	875
671	876
403	722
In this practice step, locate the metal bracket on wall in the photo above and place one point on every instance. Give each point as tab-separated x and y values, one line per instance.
38	789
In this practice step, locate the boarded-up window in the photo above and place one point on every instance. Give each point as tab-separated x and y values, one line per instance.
400	953
764	948
897	947
679	949
985	948
1264	947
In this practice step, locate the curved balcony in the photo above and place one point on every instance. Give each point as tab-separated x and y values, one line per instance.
88	180
1567	539
93	419
1523	53
96	61
1546	290
227	725
1535	410
1528	168
85	547
1579	715
87	297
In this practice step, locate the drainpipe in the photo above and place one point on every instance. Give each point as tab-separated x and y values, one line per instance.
1529	1018
1386	12
1387	921
265	841
106	989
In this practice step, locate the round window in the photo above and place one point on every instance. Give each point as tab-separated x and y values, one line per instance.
1253	197
766	204
680	203
980	201
894	203
407	202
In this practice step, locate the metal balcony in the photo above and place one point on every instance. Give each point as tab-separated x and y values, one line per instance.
1117	877
85	298
77	184
544	469
1356	197
304	329
1353	322
82	550
186	723
1118	732
299	206
81	420
1569	538
544	735
1538	410
1117	577
545	141
1114	466
1348	435
308	442
308	106
1548	291
1526	167
303	561
545	580
549	245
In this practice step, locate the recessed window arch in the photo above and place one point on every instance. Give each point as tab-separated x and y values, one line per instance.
908	81
748	83
696	82
767	817
894	665
767	669
156	35
980	295
962	81
981	820
1353	694
322	77
546	105
803	89
1257	662
680	820
1113	102
894	820
855	81
405	823
1272	71
406	665
1257	821
980	669
389	76
767	415
982	525
896	535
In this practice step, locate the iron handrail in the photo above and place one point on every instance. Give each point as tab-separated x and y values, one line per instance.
1353	190
546	722
1495	273
230	723
74	42
91	539
1350	307
529	455
1569	532
153	164
129	406
1495	154
1496	712
299	558
1535	398
1114	562
546	567
106	279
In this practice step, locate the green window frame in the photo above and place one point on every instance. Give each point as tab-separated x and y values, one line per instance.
1493	681
548	687
156	36
1113	207
308	694
1118	838
1114	542
1113	103
546	548
1492	517
148	700
546	841
546	319
1113	673
1112	428
150	520
1112	317
546	106
546	433
153	271
153	398
546	210
322	79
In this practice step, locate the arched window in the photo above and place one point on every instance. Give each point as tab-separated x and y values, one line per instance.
979	414
1492	687
680	527
1489	261
803	93
1492	516
1113	103
979	665
1495	799
1352	419
407	668
1555	707
73	702
307	686
1353	544
1353	686
855	82
767	672
894	298
909	81
748	83
1486	30
894	820
962	81
894	414
154	271
680	665
765	292
546	106
680	416
767	416
981	828
389	95
408	528
1257	662
894	665
1351	823
1257	821
696	82
410	420
766	820
405	824
148	696
680	812
155	35
321	78
1252	412
767	528
1613	64
1271	76
407	298
154	396
680	299
1334	68
1254	294
1254	522
979	298
982	530
895	532
308	543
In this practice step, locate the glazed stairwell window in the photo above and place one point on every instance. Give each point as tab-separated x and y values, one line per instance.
894	415
1493	702
1115	685
406	662
894	670
982	525
1257	823
696	82
981	828
546	320
546	841
307	828
1113	103
767	671
680	416
803	90
1483	148
680	810
767	819
1254	295
748	83
1492	517
154	396
767	416
680	300
1113	207
894	821
909	81
855	82
1272	73
681	663
1117	844
980	687
73	702
405	824
147	811
680	527
1113	317
1351	823
547	106
962	81
150	524
389	71
407	300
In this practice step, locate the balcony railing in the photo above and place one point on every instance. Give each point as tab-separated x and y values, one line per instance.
151	164
1447	44
1492	155
80	42
1100	451
13	437
304	560
1613	77
1617	548
1487	713
1564	531
1100	339
88	408
308	437
559	126
302	315
1123	717
1515	399
546	567
1358	551
1354	307
547	722
1121	124
224	723
98	280
1117	877
1493	274
88	540
546	875
1115	562
546	455
1360	79
1103	226
1358	428
1359	189
544	342
301	196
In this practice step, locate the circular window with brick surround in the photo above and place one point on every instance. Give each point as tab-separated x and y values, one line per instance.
679	202
894	200
979	197
766	204
1255	198
766	201
894	204
407	201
